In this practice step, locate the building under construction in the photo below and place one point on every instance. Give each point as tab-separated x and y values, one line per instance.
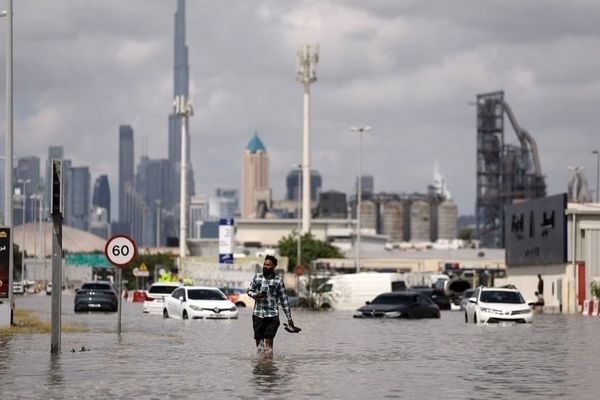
505	172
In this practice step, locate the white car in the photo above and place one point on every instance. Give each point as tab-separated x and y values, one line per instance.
154	300
191	302
493	305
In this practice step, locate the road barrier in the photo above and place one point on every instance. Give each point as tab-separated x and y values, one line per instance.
586	308
591	308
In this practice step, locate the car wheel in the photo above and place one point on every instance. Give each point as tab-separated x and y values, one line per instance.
239	304
184	316
474	318
165	313
466	318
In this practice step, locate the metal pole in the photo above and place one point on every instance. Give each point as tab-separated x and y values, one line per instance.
157	223
56	282
183	108
306	162
120	291
23	227
597	153
574	258
299	250
8	147
359	200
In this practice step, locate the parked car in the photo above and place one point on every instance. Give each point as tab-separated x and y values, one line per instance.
493	305
154	298
399	305
199	302
438	296
18	288
467	294
238	296
96	296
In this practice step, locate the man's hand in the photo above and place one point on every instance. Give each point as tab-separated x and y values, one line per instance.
260	295
291	324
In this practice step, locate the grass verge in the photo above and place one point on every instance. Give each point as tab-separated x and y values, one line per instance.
26	321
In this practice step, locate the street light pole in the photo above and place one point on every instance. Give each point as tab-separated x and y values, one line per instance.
299	195
23	182
183	108
597	153
308	57
360	131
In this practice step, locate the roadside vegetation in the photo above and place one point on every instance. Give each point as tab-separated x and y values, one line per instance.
28	322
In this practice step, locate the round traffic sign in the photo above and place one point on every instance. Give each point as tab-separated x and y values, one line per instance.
120	250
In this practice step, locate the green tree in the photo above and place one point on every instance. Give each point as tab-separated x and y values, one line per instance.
311	249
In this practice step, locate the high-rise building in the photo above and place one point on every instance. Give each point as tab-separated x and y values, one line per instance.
101	194
367	186
293	180
333	204
231	194
256	191
139	216
125	166
181	78
78	199
57	153
152	182
27	181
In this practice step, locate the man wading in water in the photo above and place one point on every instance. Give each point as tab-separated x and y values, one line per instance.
267	289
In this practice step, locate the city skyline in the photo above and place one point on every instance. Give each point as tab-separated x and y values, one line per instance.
408	70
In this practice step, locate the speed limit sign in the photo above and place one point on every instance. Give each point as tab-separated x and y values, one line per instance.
120	250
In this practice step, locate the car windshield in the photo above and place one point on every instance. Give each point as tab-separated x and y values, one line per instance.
96	286
392	299
497	296
468	293
161	289
205	294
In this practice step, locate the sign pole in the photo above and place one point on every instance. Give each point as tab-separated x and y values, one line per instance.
120	286
57	212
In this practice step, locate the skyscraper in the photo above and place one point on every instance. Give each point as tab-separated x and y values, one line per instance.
181	78
27	180
101	194
293	180
78	199
125	166
256	191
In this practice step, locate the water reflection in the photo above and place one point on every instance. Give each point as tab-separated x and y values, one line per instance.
265	374
55	375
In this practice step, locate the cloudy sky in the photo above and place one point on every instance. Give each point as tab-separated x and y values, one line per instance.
407	68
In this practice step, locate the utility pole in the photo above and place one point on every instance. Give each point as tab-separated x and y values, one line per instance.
307	57
183	108
360	132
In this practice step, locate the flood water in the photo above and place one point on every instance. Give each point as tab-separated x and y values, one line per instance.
334	357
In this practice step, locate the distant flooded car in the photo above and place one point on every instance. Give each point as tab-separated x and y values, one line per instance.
190	302
399	305
238	296
438	296
467	294
493	305
96	296
154	298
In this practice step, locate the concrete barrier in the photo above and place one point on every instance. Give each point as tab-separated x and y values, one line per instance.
595	308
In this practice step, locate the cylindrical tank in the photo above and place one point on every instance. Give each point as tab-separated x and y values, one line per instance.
447	220
368	217
393	220
419	221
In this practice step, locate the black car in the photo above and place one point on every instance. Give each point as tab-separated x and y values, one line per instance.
96	296
438	296
399	305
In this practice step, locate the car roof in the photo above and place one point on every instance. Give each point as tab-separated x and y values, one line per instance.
174	284
201	287
497	289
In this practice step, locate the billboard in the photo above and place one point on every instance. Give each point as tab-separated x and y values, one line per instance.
226	240
535	232
5	253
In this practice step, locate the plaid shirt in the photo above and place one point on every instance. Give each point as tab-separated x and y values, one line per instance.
267	307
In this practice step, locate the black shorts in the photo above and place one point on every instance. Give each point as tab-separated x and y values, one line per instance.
265	328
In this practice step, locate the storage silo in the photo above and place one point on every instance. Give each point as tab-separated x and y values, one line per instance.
368	217
447	220
393	220
420	229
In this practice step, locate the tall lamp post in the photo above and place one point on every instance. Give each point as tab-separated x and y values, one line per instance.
299	195
360	132
23	182
308	57
597	153
183	108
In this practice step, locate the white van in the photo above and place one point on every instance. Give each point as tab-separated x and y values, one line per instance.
350	291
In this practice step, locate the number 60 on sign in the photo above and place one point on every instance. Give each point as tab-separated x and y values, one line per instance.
120	250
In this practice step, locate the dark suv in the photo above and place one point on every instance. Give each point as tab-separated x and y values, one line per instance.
96	296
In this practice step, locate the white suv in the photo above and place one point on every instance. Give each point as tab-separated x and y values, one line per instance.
154	299
493	305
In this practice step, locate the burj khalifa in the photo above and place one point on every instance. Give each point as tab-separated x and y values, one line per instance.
181	87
